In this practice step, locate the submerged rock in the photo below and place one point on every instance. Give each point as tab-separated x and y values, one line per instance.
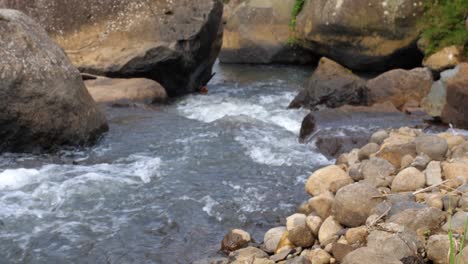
43	102
172	42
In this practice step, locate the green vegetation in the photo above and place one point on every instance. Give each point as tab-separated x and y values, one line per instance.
453	249
297	8
444	24
298	5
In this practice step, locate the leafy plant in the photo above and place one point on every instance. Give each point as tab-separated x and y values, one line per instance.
443	24
297	8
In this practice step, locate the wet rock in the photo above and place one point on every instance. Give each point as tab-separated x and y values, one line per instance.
444	59
376	171
44	103
421	161
332	85
400	86
138	90
399	245
373	43
456	222
354	202
366	151
298	231
272	238
455	111
235	240
425	219
357	235
409	179
437	249
366	255
172	42
433	173
329	231
260	33
379	137
334	145
330	178
307	128
246	255
433	146
314	223
322	204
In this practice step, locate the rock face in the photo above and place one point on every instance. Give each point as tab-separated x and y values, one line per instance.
456	109
138	90
43	101
332	85
172	42
362	35
258	31
400	86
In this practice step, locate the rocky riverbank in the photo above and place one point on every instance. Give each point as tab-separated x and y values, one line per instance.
402	198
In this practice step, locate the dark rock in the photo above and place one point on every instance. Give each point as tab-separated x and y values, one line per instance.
331	85
43	101
455	111
172	42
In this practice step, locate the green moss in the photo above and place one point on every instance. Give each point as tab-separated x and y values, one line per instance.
443	24
297	8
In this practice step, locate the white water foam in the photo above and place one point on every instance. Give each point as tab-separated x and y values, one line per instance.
16	179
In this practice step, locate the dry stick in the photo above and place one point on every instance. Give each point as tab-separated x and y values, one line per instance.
430	187
381	216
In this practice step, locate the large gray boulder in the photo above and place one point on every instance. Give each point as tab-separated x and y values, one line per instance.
43	101
172	42
362	34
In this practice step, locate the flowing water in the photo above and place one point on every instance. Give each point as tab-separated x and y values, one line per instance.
166	183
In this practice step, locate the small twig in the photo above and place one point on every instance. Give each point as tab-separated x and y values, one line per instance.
380	217
430	187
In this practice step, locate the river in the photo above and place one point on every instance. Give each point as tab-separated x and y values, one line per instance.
167	182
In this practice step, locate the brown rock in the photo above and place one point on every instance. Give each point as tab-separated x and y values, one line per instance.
330	178
172	42
399	245
259	32
329	231
284	243
456	110
400	86
322	204
455	169
368	255
339	251
272	238
376	171
332	85
433	173
234	240
444	59
437	249
353	204
357	235
139	90
366	151
314	223
426	219
44	103
433	146
298	231
409	179
396	147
